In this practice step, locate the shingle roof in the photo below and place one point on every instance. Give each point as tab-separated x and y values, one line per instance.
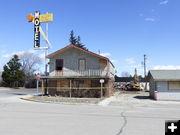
73	46
165	75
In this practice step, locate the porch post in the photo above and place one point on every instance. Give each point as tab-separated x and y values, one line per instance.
42	86
45	88
101	90
70	88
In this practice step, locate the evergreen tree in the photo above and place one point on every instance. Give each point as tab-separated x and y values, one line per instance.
72	38
13	75
79	44
76	41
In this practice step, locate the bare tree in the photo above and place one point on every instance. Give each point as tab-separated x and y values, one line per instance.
30	64
125	74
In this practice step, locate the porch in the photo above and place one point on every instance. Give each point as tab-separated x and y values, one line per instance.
76	87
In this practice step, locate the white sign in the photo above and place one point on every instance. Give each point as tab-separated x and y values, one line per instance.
101	80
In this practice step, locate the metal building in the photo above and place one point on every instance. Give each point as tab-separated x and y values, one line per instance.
164	84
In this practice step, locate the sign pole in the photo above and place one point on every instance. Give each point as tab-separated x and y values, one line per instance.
101	90
38	76
36	20
37	86
70	89
42	87
46	51
101	81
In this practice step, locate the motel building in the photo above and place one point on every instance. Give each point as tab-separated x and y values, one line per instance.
76	72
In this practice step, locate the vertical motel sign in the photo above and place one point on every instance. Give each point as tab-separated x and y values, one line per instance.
37	29
37	19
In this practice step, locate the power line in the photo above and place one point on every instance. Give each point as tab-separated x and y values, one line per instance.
144	63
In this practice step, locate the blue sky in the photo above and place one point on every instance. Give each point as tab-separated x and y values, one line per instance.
123	30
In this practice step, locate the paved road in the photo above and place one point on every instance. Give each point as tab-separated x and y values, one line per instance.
7	92
19	117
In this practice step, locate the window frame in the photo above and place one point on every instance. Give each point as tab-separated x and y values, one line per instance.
170	88
62	64
84	64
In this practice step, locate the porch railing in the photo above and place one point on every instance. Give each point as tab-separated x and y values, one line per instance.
80	73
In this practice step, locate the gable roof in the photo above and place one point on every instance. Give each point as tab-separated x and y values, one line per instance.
165	75
73	46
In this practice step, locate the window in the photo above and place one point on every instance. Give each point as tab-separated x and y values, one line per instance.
103	64
59	64
82	64
175	85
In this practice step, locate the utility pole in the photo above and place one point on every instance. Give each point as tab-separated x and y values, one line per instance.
144	63
46	62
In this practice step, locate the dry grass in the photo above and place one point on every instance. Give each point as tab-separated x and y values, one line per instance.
58	99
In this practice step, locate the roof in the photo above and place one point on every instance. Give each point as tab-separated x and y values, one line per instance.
73	46
165	75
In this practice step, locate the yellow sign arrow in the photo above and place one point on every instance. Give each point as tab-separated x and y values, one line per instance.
30	18
43	18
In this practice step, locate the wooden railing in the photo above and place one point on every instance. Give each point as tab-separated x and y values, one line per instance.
88	73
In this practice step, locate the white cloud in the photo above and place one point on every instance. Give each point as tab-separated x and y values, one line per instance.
105	54
164	2
130	61
150	19
168	67
113	60
3	51
7	55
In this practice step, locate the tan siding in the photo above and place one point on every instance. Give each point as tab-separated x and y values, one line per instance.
174	85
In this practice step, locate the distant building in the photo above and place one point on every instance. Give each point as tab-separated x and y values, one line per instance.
123	79
164	84
76	72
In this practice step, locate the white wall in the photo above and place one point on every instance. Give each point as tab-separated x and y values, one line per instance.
165	94
152	87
